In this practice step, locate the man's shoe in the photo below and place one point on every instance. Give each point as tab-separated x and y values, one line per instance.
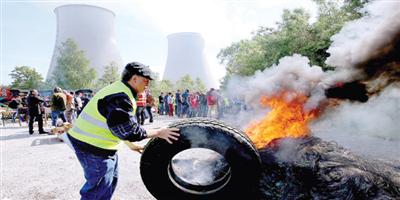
43	132
30	133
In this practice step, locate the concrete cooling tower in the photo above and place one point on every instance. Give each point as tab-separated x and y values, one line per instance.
186	56
92	28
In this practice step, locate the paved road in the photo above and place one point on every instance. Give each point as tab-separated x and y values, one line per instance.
41	167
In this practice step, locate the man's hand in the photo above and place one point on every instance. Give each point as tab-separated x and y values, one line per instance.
167	134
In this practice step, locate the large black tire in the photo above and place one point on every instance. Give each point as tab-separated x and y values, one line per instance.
232	144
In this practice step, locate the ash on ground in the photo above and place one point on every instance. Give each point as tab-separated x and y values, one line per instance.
311	168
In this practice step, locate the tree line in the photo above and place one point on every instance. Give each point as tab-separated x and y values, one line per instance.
294	34
73	72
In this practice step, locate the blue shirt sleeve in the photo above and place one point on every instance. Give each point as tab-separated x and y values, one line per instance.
118	111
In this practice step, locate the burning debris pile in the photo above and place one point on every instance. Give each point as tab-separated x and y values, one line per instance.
310	168
286	119
356	105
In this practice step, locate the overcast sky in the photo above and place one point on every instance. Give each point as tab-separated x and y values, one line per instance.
28	28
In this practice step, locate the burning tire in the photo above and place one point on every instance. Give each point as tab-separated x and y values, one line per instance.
209	161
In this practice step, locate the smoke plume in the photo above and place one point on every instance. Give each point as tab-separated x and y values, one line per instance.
370	128
367	49
293	74
365	54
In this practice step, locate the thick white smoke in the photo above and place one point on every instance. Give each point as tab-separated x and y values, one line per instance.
199	166
370	128
293	74
361	39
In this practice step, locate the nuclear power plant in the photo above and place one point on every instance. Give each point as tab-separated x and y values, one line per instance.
92	29
186	57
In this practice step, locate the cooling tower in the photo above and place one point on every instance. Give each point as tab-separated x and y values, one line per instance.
186	56
92	28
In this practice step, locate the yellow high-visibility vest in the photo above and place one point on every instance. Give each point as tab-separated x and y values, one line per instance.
91	127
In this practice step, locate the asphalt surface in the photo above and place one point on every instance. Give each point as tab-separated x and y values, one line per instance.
43	167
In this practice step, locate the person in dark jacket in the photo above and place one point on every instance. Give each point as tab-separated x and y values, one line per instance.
35	111
15	104
178	103
166	106
161	104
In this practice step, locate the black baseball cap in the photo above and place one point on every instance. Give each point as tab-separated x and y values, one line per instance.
137	68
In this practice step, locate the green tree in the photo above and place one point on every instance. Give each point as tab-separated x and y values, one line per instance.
110	75
331	18
165	86
199	85
185	82
267	45
72	70
157	86
49	85
161	86
294	34
25	77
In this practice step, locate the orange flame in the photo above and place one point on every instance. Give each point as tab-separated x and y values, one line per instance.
286	119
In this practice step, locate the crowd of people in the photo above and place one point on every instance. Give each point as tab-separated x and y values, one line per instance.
66	106
62	104
188	104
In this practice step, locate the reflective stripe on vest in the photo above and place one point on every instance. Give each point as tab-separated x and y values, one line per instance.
92	120
91	127
78	130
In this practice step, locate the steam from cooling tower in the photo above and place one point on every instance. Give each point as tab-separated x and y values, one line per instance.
186	56
92	28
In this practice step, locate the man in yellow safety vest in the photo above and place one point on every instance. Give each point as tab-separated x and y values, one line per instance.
106	121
